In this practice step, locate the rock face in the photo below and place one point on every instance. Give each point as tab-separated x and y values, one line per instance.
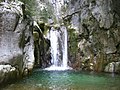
94	34
42	45
16	41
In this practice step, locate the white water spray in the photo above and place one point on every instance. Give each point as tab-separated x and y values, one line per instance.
65	51
54	46
58	40
59	53
57	5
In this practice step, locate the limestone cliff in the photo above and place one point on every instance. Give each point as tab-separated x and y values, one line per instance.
94	34
16	41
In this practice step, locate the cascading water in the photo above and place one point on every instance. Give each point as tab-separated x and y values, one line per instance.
57	4
54	46
65	52
58	40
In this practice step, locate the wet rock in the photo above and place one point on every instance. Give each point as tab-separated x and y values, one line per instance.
42	45
6	72
113	67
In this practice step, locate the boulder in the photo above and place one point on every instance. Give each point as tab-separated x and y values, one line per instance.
113	67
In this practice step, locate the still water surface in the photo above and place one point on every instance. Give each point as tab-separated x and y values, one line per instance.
66	80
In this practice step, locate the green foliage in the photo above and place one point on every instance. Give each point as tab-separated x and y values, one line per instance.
34	9
29	7
73	41
47	12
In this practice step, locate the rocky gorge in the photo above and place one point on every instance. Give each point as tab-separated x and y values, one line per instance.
93	28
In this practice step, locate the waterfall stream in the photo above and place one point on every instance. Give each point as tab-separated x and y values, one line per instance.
65	52
58	40
59	53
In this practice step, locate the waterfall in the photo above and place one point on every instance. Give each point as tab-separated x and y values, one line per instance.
58	40
57	4
54	46
59	53
65	52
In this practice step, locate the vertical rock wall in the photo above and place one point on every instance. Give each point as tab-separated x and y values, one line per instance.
16	41
94	34
42	45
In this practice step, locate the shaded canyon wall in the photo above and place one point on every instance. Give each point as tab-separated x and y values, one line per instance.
94	34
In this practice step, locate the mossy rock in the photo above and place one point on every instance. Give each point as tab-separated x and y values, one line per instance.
41	25
47	25
36	35
62	24
40	22
72	28
56	26
1	0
